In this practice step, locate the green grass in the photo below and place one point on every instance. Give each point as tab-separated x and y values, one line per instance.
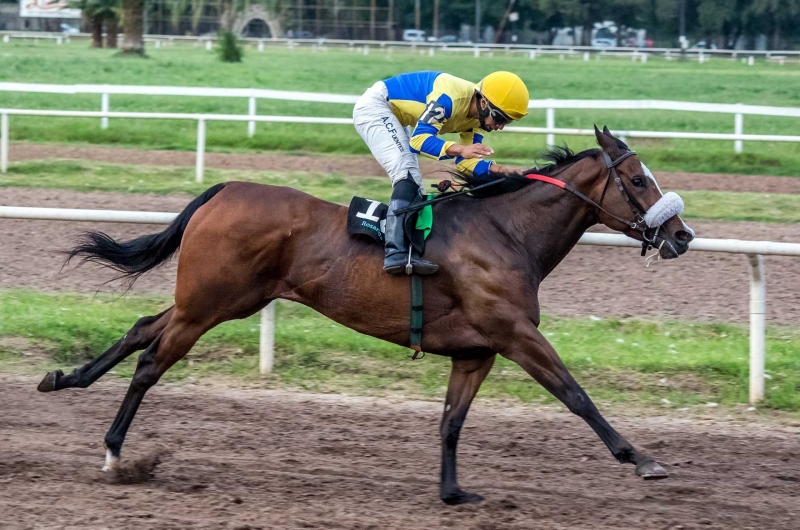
345	72
627	361
96	176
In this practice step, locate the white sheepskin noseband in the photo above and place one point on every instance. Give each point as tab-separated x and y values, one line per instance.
666	207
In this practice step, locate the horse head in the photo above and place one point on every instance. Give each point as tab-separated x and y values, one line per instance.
630	192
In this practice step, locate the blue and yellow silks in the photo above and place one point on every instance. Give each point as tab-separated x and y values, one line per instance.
437	103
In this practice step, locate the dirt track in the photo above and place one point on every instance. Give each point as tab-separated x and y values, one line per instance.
261	459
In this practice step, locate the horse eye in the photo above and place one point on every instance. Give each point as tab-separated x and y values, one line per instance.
639	182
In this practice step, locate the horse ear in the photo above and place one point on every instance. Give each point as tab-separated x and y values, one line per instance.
597	134
607	142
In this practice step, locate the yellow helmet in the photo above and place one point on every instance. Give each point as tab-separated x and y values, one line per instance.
506	92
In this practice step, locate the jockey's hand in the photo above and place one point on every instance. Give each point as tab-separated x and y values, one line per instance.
470	151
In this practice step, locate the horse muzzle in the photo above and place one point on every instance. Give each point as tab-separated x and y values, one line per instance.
675	244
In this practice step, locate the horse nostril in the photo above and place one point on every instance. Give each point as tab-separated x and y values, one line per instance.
683	237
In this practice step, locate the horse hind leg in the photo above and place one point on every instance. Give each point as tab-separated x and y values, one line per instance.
171	345
140	336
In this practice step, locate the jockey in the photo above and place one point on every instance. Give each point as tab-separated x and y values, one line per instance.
432	103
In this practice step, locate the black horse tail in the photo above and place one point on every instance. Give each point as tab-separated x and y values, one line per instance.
136	257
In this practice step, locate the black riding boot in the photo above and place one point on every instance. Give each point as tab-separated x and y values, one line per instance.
396	256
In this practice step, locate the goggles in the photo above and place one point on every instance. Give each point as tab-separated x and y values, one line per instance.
498	116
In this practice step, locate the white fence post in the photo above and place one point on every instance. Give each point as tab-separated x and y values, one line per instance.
738	128
551	124
251	110
104	109
261	45
266	349
201	150
758	309
4	143
532	55
476	53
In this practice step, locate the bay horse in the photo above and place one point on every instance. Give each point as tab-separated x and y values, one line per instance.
243	245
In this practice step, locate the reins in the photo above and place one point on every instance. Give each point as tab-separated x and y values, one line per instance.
638	211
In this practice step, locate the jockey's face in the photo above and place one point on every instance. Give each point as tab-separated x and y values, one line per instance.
494	120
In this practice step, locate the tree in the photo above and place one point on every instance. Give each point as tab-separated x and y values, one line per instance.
133	23
777	12
98	12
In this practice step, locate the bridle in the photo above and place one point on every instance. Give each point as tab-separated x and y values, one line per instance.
649	234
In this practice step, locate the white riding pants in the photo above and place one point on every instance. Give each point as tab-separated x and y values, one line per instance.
384	135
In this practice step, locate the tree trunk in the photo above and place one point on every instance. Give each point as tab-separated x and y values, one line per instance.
226	18
112	28
776	43
133	22
97	32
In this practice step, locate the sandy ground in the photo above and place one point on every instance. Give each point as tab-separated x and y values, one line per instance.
356	165
591	281
251	459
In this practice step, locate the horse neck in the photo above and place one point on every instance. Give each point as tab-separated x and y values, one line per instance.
552	220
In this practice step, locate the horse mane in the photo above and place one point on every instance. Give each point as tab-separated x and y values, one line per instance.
559	156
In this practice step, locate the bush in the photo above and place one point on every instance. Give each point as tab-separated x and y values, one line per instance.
229	49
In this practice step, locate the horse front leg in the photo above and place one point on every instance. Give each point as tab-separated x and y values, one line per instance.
537	357
466	377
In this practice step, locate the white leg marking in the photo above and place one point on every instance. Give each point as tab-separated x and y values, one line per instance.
112	462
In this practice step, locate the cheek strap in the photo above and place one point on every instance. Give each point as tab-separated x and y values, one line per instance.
666	207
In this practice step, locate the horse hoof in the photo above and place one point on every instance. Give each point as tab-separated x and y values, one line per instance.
461	497
112	462
650	470
48	384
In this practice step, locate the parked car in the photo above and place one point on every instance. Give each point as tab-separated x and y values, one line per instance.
299	34
703	45
448	38
66	29
604	34
413	35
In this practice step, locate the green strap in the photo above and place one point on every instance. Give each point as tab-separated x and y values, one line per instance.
425	217
416	314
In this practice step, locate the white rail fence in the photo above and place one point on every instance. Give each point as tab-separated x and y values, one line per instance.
253	95
755	251
429	48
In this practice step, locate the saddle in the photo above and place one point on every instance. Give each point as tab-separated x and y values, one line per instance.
366	218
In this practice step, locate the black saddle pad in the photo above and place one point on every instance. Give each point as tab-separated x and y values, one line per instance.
367	218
